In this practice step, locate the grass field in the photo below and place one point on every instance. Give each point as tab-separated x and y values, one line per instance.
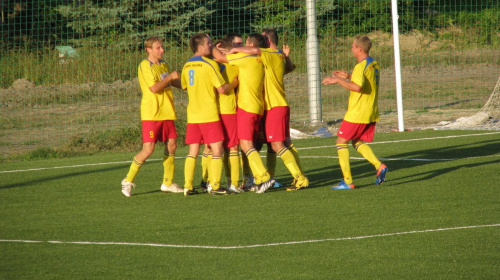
436	217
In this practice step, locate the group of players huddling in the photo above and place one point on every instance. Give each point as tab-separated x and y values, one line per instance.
237	101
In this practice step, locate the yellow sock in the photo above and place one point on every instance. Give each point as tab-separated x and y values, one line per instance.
134	169
226	165
215	171
245	165
367	153
271	162
257	166
204	167
234	165
189	168
289	161
345	165
168	169
296	156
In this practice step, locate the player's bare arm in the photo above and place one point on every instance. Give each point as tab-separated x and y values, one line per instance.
289	66
219	56
351	86
165	82
246	49
341	74
176	83
226	88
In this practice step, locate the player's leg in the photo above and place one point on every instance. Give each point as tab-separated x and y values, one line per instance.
247	182
259	171
234	166
286	155
193	139
293	149
169	168
170	134
366	135
205	163
137	162
151	133
216	169
277	120
189	167
139	159
270	160
344	162
226	166
247	127
288	141
231	159
213	134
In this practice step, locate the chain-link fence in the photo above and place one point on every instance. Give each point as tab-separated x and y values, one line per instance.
68	68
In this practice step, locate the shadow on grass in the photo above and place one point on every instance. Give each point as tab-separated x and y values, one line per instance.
361	169
418	159
32	183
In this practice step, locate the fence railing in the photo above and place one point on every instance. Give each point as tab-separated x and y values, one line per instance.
69	68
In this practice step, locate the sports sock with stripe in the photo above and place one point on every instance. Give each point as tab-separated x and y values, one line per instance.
345	165
133	170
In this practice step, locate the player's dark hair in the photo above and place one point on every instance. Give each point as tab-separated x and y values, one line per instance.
197	40
231	36
272	35
225	43
258	40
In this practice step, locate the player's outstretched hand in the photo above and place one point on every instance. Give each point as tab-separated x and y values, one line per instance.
286	50
330	80
341	74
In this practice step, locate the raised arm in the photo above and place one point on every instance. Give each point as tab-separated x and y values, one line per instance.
289	66
219	56
246	49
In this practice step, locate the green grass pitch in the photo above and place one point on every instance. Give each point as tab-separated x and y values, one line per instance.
436	217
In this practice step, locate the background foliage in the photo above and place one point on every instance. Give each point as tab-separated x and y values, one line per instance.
88	101
124	24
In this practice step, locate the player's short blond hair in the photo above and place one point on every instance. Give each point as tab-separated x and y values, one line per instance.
148	43
363	42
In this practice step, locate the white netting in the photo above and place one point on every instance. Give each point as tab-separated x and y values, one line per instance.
488	118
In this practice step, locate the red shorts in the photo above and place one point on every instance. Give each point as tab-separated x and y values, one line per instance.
247	124
211	132
361	131
154	131
261	134
229	129
277	124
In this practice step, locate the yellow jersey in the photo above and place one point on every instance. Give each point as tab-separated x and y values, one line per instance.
274	86
227	102
201	77
155	106
363	106
251	82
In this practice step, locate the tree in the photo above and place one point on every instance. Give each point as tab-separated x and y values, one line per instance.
125	24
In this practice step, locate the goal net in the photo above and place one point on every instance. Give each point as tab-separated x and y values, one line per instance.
488	118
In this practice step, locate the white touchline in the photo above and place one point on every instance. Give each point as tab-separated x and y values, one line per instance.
303	148
248	246
407	140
